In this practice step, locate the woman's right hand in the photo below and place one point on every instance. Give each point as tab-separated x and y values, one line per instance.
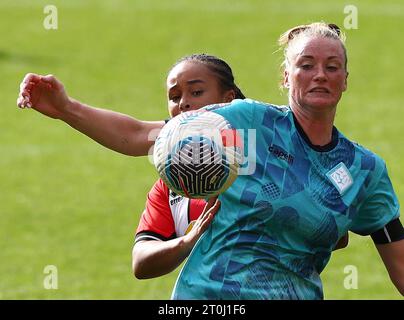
45	94
155	258
202	223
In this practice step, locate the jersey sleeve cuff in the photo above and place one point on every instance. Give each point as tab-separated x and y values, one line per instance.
149	235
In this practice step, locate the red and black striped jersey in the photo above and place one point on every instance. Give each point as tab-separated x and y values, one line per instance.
167	215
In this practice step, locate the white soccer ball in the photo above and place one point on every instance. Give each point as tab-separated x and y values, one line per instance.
197	154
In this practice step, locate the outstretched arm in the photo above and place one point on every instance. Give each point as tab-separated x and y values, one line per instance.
113	130
152	258
392	255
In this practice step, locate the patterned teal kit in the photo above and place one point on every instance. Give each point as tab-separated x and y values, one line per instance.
277	227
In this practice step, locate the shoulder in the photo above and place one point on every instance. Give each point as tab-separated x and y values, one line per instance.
248	104
366	160
369	159
248	110
159	190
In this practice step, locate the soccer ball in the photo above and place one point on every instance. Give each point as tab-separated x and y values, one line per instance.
197	154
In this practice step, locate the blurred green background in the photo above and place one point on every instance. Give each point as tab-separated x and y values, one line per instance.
67	201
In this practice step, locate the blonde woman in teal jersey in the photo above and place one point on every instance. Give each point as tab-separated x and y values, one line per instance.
276	228
106	127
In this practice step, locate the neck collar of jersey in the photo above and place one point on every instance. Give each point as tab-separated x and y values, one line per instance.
325	148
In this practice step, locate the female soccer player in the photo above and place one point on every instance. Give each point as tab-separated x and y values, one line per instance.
276	228
194	81
162	241
130	136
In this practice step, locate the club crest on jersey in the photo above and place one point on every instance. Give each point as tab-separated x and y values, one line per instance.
340	177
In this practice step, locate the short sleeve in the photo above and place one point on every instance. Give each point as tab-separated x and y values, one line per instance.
156	222
379	207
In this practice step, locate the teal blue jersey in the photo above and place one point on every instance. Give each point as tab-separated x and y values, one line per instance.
277	226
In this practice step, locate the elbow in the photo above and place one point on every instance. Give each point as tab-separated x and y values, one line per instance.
400	289
139	274
135	264
139	266
137	269
398	280
400	286
141	263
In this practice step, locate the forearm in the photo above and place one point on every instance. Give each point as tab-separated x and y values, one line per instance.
113	130
392	255
156	258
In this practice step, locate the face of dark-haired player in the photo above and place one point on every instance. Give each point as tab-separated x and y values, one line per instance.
191	85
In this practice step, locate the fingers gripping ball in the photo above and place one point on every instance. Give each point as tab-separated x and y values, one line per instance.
197	154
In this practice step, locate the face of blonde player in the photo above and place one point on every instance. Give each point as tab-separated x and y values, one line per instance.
191	85
316	76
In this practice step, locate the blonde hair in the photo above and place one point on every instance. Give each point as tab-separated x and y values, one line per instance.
316	29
